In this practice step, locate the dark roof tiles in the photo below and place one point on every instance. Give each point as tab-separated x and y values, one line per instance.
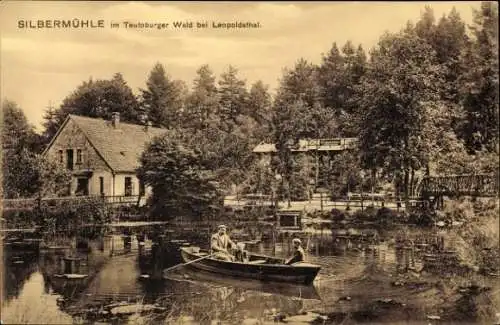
120	146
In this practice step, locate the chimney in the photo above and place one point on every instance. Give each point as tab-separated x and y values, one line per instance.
147	125
115	118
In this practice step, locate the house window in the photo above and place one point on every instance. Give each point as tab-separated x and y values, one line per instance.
142	189
69	160
61	156
101	185
78	156
128	186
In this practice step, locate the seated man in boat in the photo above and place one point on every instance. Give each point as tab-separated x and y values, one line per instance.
221	245
298	255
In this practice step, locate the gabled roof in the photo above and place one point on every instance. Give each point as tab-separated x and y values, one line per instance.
119	146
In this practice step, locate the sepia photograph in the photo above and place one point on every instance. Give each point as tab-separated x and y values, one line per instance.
253	163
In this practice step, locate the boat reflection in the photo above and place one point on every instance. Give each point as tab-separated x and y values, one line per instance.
186	273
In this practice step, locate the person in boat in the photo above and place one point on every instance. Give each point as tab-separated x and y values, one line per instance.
298	255
241	255
222	245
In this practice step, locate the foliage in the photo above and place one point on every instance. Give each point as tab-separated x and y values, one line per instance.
17	133
479	83
259	109
71	215
345	176
423	218
162	100
368	214
399	87
203	101
233	98
336	215
26	172
181	175
386	217
339	77
94	98
36	176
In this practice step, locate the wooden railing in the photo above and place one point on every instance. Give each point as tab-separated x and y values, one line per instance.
30	203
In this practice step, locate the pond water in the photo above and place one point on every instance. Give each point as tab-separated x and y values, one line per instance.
113	281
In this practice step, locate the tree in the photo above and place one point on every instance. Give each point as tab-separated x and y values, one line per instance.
180	175
479	91
339	77
94	98
354	69
24	171
426	26
33	176
259	109
17	133
162	101
203	101
450	42
233	99
298	114
300	83
399	92
330	74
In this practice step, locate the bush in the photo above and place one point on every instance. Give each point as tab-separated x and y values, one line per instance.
386	216
421	219
71	214
337	215
369	214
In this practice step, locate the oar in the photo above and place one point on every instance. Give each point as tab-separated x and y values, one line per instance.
184	264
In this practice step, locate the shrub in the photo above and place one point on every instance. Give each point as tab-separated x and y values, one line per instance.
71	214
337	215
386	216
369	214
421	219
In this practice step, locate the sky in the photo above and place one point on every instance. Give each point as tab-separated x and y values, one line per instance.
41	66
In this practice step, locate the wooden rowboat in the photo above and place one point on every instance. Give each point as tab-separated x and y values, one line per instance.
211	279
260	267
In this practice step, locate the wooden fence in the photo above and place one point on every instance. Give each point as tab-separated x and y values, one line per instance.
31	203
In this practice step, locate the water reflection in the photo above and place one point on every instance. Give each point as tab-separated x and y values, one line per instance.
118	278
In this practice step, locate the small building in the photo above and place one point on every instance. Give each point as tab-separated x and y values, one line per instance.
102	155
288	220
318	152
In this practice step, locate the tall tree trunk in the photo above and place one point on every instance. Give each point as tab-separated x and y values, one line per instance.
316	179
412	181
373	179
288	194
405	185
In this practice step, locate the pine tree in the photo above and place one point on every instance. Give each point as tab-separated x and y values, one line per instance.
259	108
233	99
331	72
161	100
203	101
479	91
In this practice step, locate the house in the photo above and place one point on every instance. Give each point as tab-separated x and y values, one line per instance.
102	155
316	149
